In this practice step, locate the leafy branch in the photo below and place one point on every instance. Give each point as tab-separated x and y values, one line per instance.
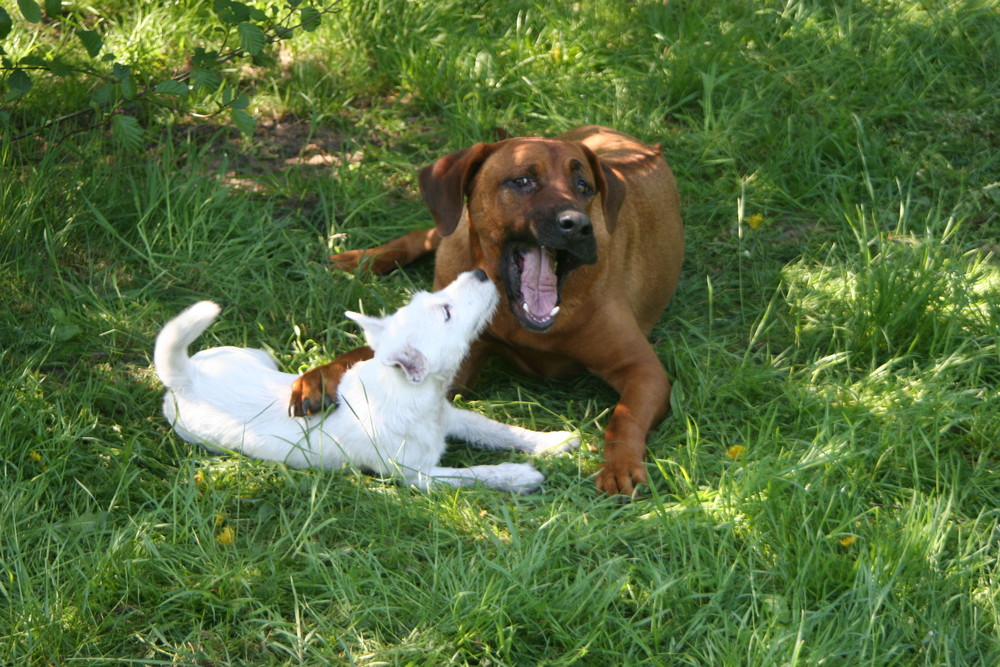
120	89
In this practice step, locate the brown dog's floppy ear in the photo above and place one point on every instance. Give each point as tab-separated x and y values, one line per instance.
610	185
443	184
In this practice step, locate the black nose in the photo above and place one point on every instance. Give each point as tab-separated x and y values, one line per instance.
574	224
480	275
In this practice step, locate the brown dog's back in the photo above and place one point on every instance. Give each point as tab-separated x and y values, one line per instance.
652	245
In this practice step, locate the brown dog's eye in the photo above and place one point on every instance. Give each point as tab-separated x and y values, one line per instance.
583	187
522	182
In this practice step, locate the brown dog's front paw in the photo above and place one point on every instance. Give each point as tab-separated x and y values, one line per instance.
308	394
347	261
316	390
621	479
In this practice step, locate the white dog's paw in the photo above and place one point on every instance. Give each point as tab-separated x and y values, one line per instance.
555	441
513	477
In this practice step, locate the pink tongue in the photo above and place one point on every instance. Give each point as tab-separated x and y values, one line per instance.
538	284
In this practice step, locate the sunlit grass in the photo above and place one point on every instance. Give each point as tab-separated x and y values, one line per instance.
893	298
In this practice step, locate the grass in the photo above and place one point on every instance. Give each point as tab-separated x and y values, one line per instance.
826	489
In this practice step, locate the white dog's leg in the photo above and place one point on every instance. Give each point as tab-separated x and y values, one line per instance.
513	477
476	429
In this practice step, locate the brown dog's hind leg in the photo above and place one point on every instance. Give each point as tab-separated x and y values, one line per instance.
383	259
316	389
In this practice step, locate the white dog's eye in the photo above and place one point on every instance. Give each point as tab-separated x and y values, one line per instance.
447	311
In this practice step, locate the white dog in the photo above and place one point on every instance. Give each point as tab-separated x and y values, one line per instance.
392	415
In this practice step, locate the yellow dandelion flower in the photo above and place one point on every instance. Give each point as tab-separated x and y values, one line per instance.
847	540
226	535
199	478
219	518
755	220
735	452
37	459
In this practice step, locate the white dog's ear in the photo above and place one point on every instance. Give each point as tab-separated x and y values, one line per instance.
411	361
372	326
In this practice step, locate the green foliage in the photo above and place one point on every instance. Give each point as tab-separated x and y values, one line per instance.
30	10
825	490
120	90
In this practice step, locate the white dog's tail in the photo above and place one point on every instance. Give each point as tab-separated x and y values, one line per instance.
171	354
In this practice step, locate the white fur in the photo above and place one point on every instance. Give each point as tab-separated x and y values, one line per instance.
393	415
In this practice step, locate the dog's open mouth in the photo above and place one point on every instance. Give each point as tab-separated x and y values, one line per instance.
532	276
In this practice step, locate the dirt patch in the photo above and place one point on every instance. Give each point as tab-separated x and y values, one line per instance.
277	144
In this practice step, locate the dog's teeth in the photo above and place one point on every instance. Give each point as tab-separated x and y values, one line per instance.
525	307
554	312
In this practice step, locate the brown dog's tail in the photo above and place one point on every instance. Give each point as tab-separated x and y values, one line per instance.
170	356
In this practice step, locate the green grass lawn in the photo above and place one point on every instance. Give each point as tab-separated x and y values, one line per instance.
826	489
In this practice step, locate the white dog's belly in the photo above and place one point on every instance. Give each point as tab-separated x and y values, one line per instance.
238	401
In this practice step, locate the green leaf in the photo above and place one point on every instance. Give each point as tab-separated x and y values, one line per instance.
243	121
66	331
30	10
59	68
53	8
5	23
234	99
172	87
103	95
251	38
120	72
263	60
34	61
91	40
208	79
19	82
241	12
129	89
201	57
231	12
310	19
126	131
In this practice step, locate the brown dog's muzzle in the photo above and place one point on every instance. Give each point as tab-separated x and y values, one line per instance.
571	232
534	269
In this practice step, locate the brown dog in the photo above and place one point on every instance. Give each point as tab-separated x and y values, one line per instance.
583	235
